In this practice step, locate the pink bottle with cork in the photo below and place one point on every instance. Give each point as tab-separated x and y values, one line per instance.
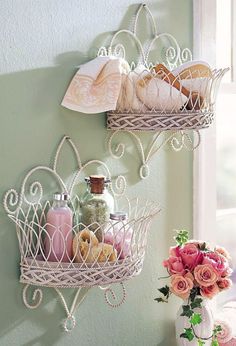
58	240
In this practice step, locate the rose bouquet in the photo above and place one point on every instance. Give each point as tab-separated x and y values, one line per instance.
196	272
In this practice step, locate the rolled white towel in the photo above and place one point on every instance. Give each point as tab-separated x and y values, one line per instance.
128	100
159	95
195	76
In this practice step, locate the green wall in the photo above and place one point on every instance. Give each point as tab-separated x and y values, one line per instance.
41	44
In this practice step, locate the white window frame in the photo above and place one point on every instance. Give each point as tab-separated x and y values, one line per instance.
204	158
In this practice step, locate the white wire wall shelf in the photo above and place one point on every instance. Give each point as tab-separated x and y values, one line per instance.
100	255
163	92
171	92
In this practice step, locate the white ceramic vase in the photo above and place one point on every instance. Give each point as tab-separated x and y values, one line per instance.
203	330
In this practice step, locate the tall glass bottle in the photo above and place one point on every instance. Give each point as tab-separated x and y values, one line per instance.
58	240
97	205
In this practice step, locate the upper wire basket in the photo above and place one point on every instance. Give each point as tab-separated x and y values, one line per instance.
88	255
170	93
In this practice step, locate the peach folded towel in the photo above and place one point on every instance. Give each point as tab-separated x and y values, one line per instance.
96	86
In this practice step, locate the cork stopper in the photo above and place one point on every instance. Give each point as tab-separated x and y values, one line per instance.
97	183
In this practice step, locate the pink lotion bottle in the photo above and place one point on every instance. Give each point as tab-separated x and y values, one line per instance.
58	240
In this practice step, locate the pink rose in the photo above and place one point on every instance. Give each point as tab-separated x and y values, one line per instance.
227	272
209	291
205	275
222	252
181	285
224	284
191	255
218	261
174	265
174	251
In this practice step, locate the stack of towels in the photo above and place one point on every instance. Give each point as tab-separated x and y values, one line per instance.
227	319
108	83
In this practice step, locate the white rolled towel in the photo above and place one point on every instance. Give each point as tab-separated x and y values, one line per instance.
159	95
128	100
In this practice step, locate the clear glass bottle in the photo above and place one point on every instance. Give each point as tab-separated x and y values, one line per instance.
97	205
58	240
119	234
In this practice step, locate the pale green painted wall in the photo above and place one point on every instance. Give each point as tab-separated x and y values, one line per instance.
41	44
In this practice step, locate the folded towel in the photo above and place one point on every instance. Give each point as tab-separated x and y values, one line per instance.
227	319
128	100
95	88
231	342
158	95
195	76
226	334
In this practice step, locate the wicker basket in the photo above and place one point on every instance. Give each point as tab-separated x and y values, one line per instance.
159	121
37	269
149	102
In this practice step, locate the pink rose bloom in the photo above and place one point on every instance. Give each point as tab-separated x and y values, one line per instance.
181	285
174	265
209	291
227	272
205	275
174	251
222	252
224	284
219	262
191	255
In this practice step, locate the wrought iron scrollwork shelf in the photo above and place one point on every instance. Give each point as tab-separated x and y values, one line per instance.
28	210
171	116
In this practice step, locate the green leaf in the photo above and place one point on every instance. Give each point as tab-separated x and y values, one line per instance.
165	290
161	300
188	334
214	343
197	303
187	311
217	330
196	319
193	293
200	342
182	237
203	247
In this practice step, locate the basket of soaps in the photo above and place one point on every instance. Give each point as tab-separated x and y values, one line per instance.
93	242
160	99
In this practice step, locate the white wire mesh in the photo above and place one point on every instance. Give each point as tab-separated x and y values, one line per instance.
151	100
60	256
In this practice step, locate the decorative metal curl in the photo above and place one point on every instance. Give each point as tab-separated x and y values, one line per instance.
37	296
36	191
171	55
114	297
186	55
11	199
185	141
119	50
120	186
69	323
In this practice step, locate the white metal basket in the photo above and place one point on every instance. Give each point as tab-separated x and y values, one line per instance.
180	95
38	269
28	210
148	102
